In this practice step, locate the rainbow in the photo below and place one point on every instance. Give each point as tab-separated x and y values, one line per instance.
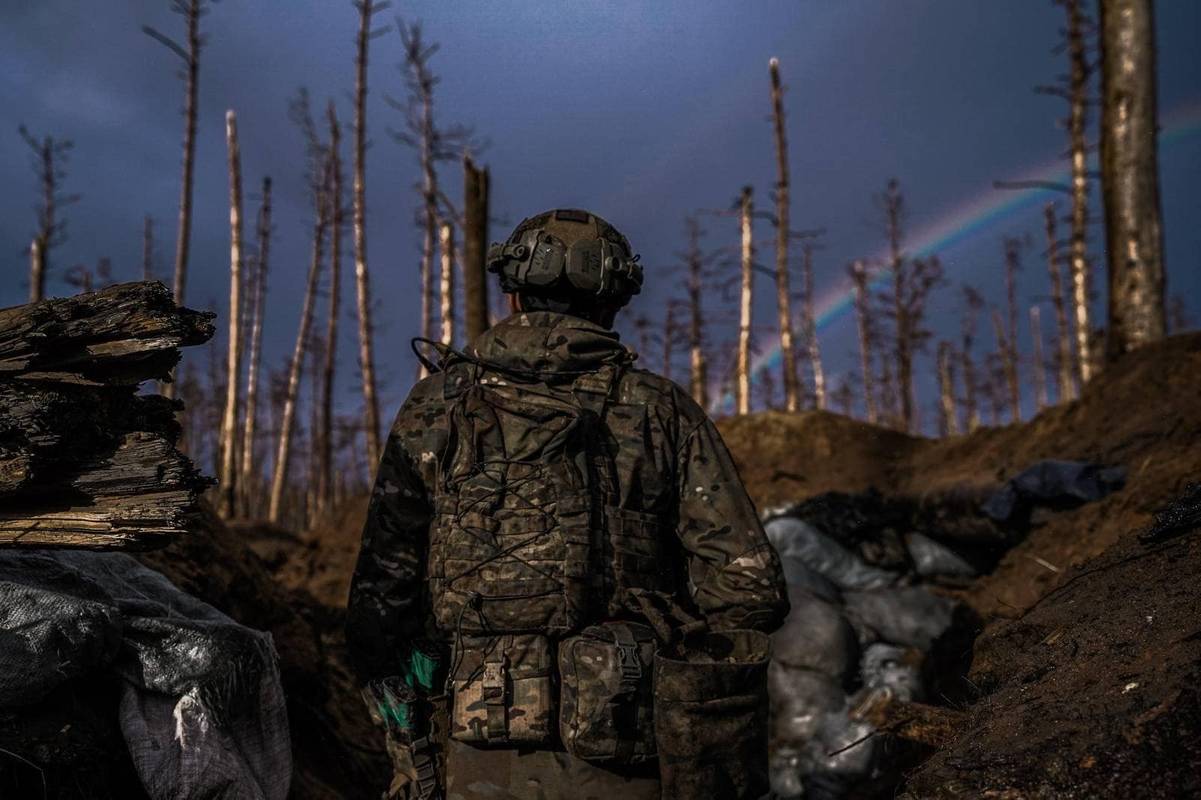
969	218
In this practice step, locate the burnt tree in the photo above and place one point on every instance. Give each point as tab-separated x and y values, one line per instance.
248	468
742	369
475	248
788	364
325	420
1130	176
319	189
367	9
50	157
1066	373
867	336
229	421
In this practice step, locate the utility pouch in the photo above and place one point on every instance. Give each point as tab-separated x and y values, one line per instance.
605	709
502	690
710	712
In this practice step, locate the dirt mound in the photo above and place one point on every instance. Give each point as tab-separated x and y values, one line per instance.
1094	692
335	749
319	562
1141	413
1084	680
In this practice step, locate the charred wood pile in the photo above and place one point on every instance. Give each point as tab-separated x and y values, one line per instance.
85	459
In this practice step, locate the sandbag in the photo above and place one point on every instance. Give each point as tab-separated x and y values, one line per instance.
798	574
932	559
710	712
202	709
906	615
898	669
55	625
795	537
816	636
799	700
1060	484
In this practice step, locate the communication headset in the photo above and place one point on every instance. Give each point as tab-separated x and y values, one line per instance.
537	259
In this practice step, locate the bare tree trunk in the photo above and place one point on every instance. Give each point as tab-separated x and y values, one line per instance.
446	310
1078	79
148	248
788	366
362	280
475	248
810	326
189	53
904	340
37	271
192	72
971	403
1009	352
1066	372
1040	368
858	274
1130	176
742	394
669	333
229	422
697	364
279	480
247	472
948	421
325	477
1004	367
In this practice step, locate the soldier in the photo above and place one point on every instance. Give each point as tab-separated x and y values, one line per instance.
545	516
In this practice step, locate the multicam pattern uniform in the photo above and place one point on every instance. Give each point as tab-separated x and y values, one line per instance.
673	471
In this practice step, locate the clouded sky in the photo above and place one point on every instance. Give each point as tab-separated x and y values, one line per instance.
640	111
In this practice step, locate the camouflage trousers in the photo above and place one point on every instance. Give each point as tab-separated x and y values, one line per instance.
477	773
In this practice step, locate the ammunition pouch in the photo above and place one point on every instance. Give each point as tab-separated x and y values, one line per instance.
605	709
503	693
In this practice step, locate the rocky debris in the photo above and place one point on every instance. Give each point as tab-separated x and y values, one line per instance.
86	461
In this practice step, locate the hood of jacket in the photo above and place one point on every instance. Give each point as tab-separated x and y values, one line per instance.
545	344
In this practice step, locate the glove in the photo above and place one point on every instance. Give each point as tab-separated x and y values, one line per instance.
395	707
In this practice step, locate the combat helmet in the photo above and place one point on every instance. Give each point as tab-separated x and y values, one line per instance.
567	256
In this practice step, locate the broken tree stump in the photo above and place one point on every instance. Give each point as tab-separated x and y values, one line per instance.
86	461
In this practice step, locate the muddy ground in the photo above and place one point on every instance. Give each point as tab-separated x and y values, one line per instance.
1082	680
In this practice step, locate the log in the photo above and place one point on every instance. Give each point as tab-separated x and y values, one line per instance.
85	461
121	335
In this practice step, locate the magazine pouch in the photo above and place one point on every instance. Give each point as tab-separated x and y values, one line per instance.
502	690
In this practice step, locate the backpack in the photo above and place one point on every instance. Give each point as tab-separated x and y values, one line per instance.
519	502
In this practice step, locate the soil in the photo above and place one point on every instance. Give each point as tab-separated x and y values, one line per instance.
1084	679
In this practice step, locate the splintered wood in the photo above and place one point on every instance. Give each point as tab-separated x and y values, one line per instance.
85	461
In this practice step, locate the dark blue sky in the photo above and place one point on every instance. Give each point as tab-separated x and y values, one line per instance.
642	112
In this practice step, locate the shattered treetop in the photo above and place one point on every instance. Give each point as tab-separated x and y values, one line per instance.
84	460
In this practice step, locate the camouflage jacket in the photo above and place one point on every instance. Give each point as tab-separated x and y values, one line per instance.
671	463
